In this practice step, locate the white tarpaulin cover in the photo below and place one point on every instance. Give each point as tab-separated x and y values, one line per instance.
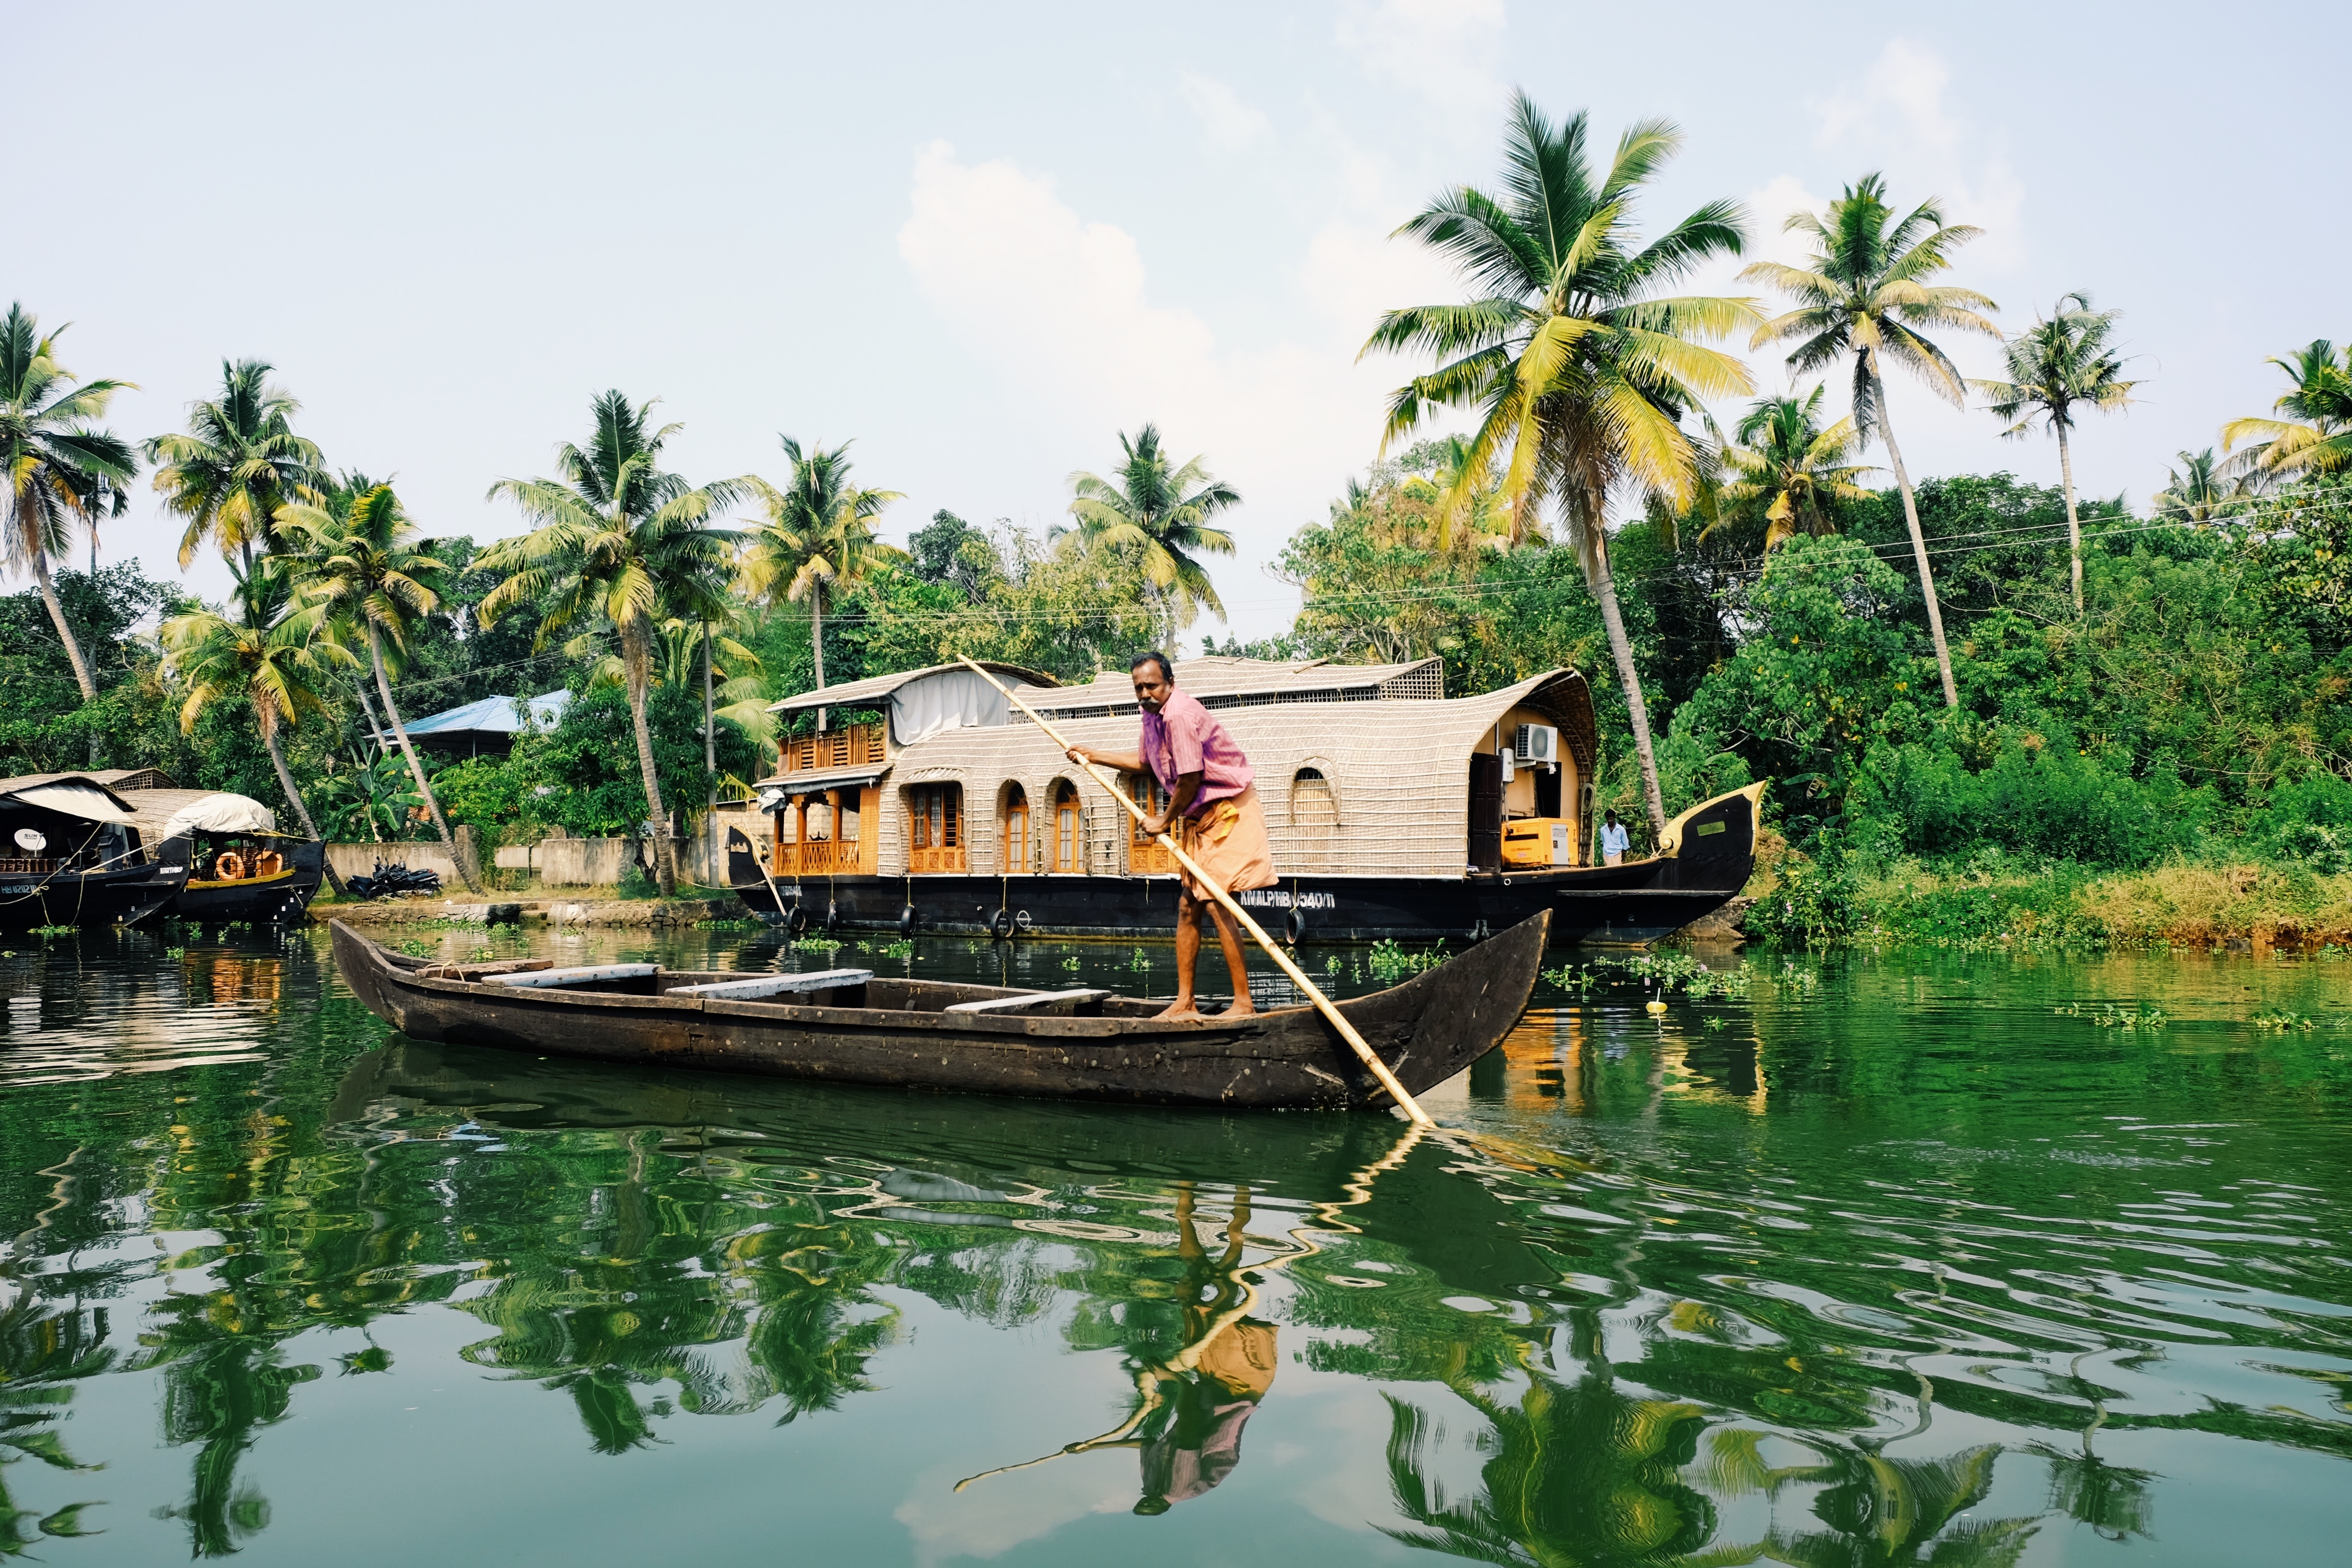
72	797
222	813
952	700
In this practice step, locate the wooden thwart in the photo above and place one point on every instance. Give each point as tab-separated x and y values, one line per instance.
759	985
585	976
483	970
1016	1004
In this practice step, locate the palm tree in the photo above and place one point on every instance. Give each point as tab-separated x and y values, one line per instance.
1865	292
238	463
815	538
2316	435
271	654
2054	366
1162	514
1577	366
363	566
617	539
2197	491
59	470
1783	458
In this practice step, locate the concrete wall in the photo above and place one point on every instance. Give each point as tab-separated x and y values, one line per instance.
584	862
358	860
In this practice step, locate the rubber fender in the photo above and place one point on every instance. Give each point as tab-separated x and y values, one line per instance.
1001	926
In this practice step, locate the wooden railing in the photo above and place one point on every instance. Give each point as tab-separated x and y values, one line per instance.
819	858
858	746
18	866
919	862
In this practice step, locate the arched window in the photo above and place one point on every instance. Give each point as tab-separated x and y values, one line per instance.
1314	820
1067	846
1016	830
935	828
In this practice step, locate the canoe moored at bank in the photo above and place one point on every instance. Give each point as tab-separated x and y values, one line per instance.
71	855
853	1026
928	804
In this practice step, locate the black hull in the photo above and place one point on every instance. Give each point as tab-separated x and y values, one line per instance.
1626	905
278	899
85	898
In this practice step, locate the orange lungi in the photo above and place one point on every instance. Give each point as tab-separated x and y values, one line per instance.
1227	841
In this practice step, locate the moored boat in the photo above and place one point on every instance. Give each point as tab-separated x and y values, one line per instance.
852	1027
1394	810
70	856
241	867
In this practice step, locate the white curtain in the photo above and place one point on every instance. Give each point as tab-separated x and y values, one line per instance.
952	700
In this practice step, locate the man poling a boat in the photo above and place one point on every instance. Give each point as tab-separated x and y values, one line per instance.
1213	802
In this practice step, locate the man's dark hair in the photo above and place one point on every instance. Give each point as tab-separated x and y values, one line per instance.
1167	670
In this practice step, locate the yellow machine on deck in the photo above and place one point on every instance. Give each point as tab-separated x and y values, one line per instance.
1531	842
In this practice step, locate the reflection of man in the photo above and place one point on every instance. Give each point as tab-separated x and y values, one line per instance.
1212	807
1194	1440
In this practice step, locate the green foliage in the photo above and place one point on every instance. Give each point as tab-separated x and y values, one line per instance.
1390	962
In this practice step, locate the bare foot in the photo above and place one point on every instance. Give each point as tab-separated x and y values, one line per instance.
1179	1009
1243	1007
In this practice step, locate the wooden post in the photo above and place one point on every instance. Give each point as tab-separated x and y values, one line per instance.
1108	778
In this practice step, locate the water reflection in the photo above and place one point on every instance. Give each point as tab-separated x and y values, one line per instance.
1892	1283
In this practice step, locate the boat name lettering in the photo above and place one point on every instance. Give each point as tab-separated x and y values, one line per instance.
1279	899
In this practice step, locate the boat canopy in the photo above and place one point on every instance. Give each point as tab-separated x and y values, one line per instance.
168	813
69	794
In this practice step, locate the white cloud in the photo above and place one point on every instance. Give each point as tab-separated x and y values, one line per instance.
1059	307
1230	124
1898	120
1441	50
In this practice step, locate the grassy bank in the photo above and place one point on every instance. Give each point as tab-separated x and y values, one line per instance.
1995	901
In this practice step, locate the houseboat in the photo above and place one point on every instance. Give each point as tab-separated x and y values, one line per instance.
1394	811
241	868
71	855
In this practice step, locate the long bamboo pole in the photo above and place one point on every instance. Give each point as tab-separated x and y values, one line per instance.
1323	1004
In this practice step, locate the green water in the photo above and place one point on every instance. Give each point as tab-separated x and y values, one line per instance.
1885	1262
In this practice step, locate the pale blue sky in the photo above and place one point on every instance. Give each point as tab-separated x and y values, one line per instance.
982	240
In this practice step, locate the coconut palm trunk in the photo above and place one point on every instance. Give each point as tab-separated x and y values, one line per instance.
269	720
65	635
416	763
2073	525
1620	651
637	665
1918	548
816	643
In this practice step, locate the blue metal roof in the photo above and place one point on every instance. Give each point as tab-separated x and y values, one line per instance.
493	716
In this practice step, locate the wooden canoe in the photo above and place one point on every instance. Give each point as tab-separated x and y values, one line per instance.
902	1031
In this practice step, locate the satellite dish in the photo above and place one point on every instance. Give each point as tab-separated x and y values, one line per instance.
30	840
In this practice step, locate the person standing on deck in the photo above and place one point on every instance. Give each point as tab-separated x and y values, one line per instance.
1613	841
1213	807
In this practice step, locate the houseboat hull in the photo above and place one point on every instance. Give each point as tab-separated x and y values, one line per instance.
1633	904
111	897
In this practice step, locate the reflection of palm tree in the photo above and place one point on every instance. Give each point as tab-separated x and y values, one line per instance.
219	1391
1578	1473
1883	1511
40	1354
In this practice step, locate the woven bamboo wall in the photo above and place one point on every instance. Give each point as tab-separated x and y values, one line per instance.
1398	770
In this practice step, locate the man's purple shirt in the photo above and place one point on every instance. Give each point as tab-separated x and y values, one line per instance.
1181	738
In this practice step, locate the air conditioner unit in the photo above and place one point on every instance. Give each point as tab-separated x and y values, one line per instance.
1538	745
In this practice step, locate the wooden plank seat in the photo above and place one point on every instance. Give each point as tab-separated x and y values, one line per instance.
759	985
483	970
1030	999
585	976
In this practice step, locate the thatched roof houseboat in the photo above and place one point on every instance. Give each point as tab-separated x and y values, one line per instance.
1393	810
